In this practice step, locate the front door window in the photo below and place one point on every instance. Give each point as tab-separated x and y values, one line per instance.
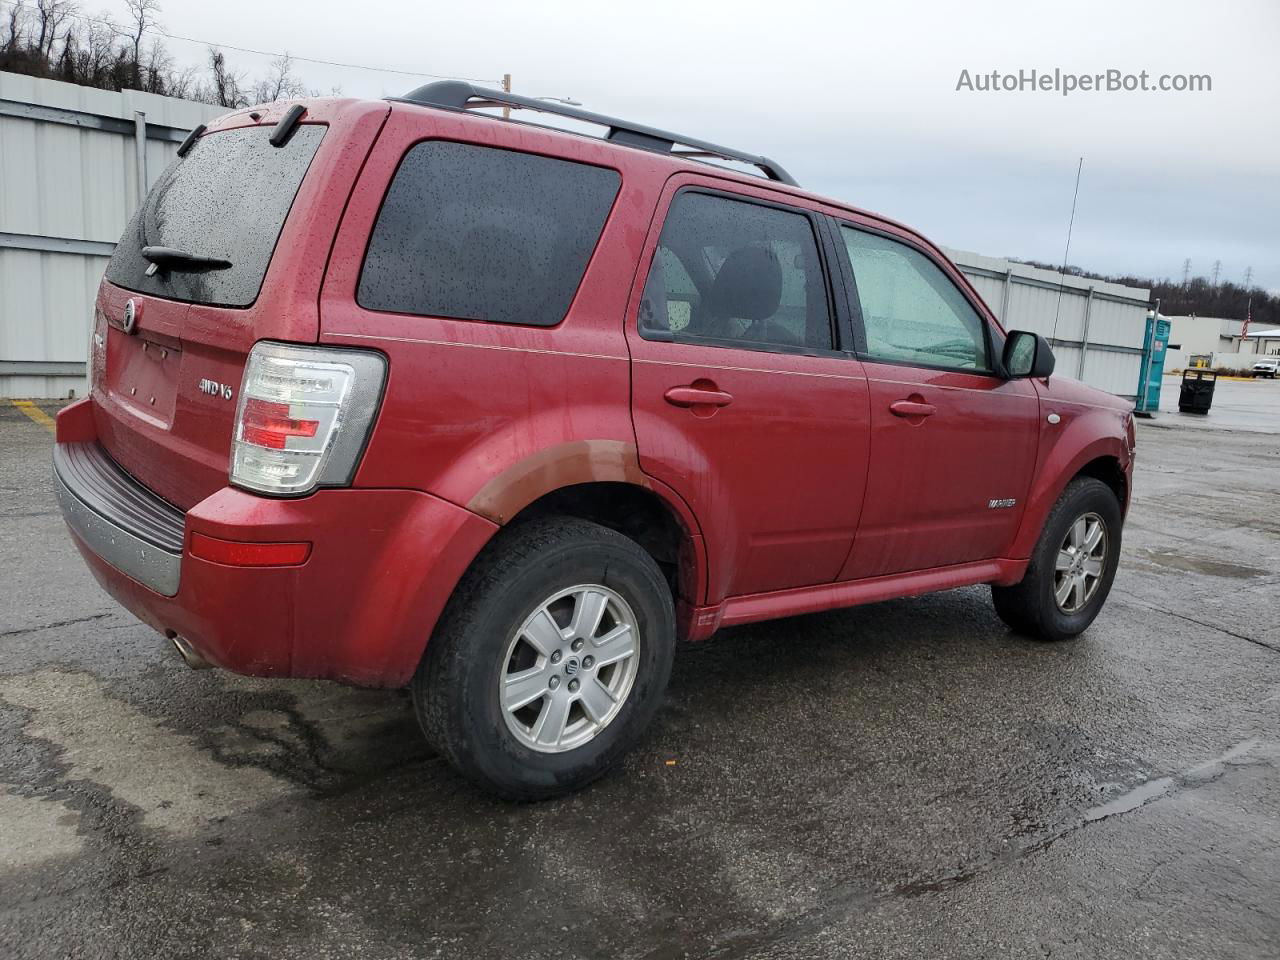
911	311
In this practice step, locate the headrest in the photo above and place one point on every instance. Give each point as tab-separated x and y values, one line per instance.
748	286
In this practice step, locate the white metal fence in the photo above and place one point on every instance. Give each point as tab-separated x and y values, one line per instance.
71	162
1096	327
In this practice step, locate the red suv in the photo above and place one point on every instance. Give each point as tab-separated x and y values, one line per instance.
394	393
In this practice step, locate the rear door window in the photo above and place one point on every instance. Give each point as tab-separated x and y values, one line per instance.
735	273
227	199
479	233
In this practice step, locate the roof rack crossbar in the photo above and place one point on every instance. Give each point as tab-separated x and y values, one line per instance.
460	95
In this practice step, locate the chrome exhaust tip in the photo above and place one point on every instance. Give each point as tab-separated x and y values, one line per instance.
188	653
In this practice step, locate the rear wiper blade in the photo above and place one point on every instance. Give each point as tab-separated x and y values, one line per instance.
170	257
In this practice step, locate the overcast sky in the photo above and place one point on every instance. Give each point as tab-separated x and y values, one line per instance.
859	102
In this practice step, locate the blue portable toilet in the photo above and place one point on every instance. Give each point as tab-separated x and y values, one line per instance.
1154	346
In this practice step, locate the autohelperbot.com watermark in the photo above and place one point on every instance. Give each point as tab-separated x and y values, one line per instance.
1066	82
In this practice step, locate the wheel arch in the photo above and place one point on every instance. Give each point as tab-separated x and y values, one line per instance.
601	481
1104	458
1108	469
637	512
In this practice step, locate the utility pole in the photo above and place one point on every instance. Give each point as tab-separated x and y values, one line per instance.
1248	278
506	88
1217	268
1186	271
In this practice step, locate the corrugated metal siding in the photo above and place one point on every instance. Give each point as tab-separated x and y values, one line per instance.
1107	355
60	182
1120	369
46	306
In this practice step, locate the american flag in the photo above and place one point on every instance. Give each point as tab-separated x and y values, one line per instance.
1248	316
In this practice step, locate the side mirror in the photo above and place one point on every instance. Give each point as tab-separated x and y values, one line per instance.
1027	355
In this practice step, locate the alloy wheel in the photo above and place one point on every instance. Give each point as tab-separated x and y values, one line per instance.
1081	560
569	668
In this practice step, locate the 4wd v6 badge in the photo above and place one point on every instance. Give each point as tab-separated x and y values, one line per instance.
215	389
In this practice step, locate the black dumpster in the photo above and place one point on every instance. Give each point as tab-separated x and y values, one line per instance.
1196	395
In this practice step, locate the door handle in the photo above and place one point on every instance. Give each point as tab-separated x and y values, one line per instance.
911	408
697	397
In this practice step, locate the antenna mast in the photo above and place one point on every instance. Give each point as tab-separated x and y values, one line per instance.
1062	274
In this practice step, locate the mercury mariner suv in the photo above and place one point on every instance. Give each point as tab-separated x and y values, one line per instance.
397	393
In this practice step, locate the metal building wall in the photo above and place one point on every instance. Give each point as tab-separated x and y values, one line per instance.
1099	329
69	182
68	185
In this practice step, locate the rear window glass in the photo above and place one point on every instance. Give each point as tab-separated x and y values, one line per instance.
478	233
226	199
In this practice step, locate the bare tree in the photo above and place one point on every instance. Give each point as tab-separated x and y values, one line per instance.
182	84
280	83
12	38
226	88
90	56
158	74
143	15
50	16
50	38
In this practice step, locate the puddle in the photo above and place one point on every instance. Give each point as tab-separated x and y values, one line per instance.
1144	793
1213	568
1242	754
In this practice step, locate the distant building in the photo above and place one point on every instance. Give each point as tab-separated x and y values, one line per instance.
1217	342
1197	336
1262	341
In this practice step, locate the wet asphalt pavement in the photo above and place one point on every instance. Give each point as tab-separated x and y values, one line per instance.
901	780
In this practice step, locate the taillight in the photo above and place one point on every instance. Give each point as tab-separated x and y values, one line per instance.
268	424
303	417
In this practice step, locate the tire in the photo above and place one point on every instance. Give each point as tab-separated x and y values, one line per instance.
1031	606
459	690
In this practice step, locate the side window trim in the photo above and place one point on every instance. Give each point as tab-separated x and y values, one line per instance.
855	304
852	340
824	244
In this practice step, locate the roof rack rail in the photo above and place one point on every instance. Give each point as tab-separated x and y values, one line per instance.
459	95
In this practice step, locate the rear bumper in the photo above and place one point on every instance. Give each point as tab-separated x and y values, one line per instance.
359	609
117	518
